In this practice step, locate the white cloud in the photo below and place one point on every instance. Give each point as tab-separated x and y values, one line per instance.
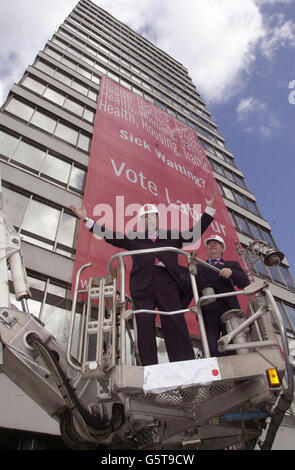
279	32
25	27
217	40
249	105
257	118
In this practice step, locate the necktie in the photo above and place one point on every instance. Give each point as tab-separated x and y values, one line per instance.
153	237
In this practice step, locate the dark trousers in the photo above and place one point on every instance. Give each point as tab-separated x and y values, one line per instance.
215	328
163	293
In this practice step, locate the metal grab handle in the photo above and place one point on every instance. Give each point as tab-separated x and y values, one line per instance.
157	250
193	283
73	312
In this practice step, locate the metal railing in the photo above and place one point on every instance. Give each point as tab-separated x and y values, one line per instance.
252	290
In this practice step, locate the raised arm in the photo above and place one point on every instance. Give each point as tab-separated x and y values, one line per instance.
195	233
114	238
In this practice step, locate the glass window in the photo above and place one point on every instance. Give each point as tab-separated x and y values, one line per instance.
56	169
240	181
220	142
68	63
41	219
29	156
80	88
74	107
44	67
267	237
125	84
113	76
228	193
77	180
54	96
283	314
14	205
216	167
252	207
92	95
66	133
255	231
151	100
44	122
88	115
291	313
100	68
242	224
52	53
260	267
275	274
66	230
241	200
8	144
34	85
84	142
287	276
138	92
62	78
57	322
95	79
20	109
233	219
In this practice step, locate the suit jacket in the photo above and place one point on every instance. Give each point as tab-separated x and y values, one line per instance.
209	278
143	265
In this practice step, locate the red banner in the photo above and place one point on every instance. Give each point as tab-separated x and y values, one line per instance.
140	154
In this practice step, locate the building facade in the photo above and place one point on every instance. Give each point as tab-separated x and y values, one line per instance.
46	127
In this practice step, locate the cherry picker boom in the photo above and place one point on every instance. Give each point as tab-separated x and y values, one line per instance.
102	396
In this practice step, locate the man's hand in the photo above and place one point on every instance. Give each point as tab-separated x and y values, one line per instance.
225	272
80	213
211	202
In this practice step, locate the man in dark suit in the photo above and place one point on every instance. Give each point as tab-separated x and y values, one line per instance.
157	281
230	275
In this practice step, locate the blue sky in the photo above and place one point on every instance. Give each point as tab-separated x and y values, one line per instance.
240	55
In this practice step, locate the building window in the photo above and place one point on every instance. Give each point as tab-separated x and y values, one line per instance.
287	277
40	223
59	98
51	125
42	163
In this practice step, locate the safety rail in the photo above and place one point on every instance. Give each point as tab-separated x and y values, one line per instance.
254	289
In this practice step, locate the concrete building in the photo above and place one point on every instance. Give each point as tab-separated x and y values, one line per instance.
46	126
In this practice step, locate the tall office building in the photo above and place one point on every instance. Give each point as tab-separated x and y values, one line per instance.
46	128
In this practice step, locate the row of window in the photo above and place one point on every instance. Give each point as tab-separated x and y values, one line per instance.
40	223
63	77
238	198
132	87
54	229
223	170
59	98
50	124
278	274
251	229
41	162
142	83
130	41
121	57
66	79
288	313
